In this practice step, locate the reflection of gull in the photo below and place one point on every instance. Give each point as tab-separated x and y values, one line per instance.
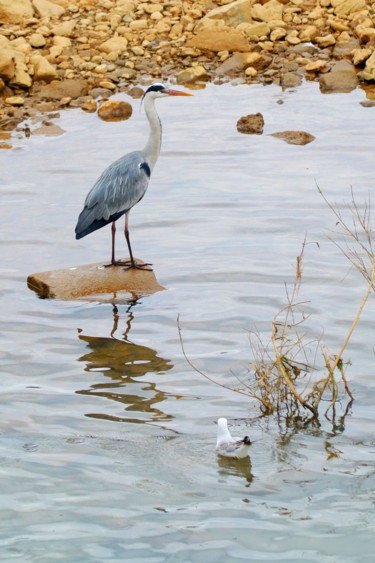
228	446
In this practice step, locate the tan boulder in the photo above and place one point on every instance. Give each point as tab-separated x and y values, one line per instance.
15	101
365	33
325	41
114	45
37	40
277	34
360	55
223	38
271	10
73	88
346	7
20	44
341	78
316	66
192	74
21	78
43	70
61	41
232	14
15	11
125	7
258	29
345	45
64	29
308	33
7	59
369	70
115	110
46	9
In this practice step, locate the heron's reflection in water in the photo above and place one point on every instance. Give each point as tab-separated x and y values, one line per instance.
124	366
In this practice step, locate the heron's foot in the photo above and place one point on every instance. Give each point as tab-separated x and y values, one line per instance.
116	263
129	265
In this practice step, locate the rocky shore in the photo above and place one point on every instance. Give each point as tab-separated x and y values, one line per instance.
63	53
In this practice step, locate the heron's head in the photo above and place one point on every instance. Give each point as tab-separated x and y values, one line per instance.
158	90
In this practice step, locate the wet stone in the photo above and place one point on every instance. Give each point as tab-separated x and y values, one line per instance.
294	137
115	110
251	124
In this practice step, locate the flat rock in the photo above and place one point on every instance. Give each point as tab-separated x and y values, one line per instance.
74	88
294	137
341	78
93	280
220	39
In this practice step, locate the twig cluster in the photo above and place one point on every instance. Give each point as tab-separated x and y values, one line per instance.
284	376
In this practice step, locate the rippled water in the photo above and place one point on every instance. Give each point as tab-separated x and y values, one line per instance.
107	435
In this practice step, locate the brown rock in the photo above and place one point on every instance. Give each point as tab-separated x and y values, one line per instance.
341	78
192	74
272	10
89	105
251	124
346	7
114	110
43	70
65	88
115	44
49	130
232	14
290	80
221	39
369	70
46	9
15	11
344	48
93	280
7	60
294	137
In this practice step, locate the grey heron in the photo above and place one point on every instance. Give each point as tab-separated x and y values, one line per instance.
125	181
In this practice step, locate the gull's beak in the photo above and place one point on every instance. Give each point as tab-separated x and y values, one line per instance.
176	93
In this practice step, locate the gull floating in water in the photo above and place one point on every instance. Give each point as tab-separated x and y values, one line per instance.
228	446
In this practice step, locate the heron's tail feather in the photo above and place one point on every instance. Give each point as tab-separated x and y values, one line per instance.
88	222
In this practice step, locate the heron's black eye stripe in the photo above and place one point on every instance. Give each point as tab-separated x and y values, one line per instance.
144	166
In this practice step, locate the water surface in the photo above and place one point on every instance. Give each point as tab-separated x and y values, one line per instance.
107	435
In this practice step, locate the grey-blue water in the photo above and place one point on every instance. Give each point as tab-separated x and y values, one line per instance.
107	443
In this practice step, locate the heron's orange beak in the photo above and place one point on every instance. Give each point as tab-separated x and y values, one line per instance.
176	93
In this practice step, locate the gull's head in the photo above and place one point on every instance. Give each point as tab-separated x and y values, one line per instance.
247	441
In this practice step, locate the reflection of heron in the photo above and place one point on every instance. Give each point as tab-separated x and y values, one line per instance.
125	363
125	181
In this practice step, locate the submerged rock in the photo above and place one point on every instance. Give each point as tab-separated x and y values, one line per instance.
251	124
114	110
294	137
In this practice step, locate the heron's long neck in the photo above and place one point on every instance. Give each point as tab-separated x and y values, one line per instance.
152	149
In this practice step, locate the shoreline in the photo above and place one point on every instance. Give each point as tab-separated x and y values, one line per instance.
62	54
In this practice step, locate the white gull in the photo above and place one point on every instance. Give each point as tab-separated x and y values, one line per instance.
228	446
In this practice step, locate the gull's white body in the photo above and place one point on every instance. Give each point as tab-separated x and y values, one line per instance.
228	446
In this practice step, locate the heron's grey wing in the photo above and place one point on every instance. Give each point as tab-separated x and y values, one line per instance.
116	191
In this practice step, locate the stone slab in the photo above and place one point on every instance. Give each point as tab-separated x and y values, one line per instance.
93	280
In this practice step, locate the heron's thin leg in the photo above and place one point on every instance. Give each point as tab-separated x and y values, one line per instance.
113	229
132	263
